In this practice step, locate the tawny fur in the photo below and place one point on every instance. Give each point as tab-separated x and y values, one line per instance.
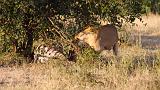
102	38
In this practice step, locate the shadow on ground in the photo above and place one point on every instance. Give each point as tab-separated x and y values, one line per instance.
150	42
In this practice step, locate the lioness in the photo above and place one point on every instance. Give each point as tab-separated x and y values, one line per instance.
102	38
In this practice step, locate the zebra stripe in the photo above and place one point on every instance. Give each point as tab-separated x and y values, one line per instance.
43	53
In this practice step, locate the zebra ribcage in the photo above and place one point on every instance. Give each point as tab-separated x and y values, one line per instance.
42	53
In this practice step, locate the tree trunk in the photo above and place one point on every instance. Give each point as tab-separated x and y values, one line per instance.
15	44
28	42
28	49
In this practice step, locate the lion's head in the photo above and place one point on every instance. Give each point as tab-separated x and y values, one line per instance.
86	37
86	34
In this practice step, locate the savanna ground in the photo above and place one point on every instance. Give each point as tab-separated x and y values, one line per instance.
136	68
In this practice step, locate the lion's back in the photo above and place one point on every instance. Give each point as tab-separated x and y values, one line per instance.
107	36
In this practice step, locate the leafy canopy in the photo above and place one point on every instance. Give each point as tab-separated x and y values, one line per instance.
23	21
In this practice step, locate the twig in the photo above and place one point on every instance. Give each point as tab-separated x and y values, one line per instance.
62	35
55	28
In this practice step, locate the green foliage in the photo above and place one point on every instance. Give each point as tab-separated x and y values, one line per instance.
151	6
20	22
23	21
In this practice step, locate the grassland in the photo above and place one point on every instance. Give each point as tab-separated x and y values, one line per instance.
136	68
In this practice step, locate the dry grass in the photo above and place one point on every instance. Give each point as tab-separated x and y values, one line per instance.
137	68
